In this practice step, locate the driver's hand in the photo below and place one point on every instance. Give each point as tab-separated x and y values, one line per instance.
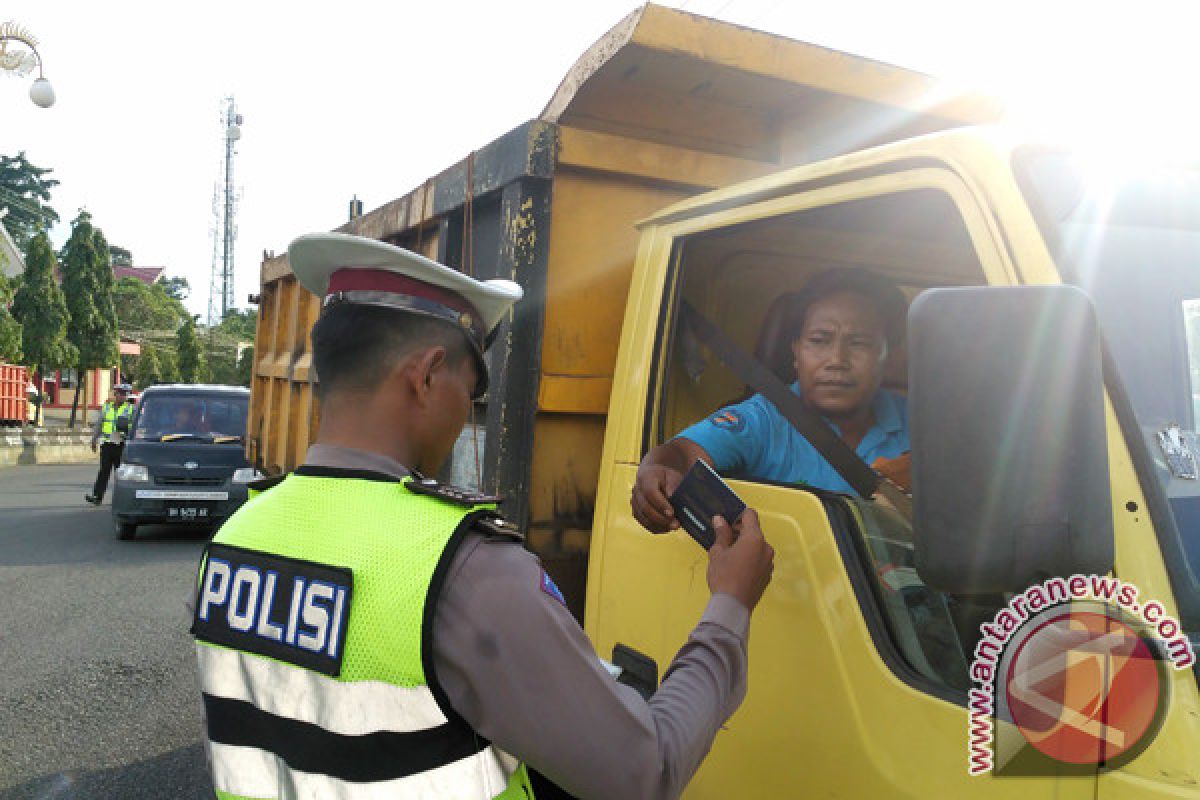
654	484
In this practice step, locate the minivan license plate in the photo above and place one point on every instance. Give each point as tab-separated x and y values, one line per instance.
187	513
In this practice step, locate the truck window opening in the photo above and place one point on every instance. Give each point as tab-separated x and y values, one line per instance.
743	278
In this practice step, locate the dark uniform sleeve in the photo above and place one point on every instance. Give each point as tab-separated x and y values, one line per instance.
517	666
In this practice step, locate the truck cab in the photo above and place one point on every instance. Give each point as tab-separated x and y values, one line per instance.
860	667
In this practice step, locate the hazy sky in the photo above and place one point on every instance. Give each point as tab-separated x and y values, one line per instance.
371	98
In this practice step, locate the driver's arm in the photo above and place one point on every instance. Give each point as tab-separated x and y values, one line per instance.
659	474
731	440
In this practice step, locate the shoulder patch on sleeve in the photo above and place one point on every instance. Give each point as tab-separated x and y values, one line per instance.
451	494
728	419
550	588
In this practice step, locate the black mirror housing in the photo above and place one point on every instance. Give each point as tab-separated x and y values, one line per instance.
1010	447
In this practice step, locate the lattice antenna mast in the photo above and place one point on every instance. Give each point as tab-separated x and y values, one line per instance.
216	269
233	132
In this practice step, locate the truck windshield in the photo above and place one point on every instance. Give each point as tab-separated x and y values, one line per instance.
191	417
1133	244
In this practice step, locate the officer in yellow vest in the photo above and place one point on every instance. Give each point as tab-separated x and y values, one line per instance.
365	632
110	438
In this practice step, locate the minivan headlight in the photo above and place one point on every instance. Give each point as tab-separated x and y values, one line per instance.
133	472
246	474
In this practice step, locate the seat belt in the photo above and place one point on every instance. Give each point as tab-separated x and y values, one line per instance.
856	472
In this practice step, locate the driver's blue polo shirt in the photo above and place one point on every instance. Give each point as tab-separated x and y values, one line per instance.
753	440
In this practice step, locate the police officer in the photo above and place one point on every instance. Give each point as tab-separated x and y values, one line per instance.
365	632
110	438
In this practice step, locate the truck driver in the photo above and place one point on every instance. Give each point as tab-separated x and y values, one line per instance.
842	327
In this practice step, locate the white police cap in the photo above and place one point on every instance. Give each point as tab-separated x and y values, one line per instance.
352	269
342	267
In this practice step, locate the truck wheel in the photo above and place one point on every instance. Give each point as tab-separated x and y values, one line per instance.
124	530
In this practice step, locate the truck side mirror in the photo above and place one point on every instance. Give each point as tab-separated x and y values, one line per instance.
1010	447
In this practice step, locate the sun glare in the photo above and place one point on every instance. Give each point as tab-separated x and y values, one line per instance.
1117	85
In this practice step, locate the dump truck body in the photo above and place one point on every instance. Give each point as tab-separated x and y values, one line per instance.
667	105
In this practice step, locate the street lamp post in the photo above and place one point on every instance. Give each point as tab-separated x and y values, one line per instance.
20	61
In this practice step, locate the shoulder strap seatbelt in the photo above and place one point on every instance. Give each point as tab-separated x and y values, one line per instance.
856	472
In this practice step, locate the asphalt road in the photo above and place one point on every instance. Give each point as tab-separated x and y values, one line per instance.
98	694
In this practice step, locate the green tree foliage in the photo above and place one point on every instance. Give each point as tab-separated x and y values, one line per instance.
42	311
239	323
10	329
193	367
146	308
148	370
169	360
221	354
87	284
245	367
176	287
221	344
25	191
120	256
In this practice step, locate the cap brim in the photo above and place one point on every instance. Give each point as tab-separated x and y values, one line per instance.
315	257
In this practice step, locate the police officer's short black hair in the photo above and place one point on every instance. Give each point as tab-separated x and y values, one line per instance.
887	298
356	346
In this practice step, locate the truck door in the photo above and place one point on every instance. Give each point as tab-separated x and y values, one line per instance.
858	671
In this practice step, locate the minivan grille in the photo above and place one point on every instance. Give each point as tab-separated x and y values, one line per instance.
183	480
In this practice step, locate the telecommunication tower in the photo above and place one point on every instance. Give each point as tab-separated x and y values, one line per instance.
225	211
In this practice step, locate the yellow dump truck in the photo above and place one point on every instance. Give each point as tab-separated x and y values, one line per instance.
1053	357
667	105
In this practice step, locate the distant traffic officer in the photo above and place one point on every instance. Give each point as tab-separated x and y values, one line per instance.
110	438
363	631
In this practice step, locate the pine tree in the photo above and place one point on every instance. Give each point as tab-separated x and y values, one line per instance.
88	287
169	360
245	367
42	311
25	191
10	329
192	366
148	370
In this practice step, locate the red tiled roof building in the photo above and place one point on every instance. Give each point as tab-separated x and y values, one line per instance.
147	275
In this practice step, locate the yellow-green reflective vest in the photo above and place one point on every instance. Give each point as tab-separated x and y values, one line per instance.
111	413
314	615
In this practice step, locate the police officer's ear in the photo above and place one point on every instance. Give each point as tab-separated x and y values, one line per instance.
429	366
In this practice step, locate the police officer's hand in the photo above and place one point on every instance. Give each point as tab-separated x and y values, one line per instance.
93	447
741	561
654	484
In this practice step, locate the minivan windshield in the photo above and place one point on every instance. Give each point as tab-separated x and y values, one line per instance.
205	417
1132	242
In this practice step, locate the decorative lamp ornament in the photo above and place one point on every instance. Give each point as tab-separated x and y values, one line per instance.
42	93
19	61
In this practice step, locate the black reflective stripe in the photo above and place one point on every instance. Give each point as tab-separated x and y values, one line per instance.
380	756
433	594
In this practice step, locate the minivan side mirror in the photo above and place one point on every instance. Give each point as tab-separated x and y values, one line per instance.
1010	447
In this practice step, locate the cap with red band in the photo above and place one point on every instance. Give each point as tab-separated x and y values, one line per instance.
352	269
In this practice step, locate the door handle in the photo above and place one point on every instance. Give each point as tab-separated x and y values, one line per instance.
638	670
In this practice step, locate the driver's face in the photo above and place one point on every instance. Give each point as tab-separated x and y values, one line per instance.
839	356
